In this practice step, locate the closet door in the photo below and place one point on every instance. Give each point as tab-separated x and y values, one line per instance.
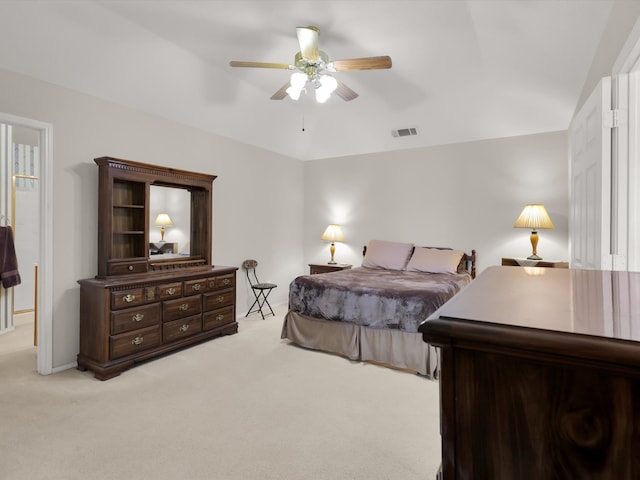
590	177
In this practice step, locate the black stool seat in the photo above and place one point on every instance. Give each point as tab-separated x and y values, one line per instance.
260	290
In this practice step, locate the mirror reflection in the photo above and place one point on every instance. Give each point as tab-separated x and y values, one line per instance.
169	221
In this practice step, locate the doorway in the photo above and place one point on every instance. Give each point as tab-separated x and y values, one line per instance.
26	208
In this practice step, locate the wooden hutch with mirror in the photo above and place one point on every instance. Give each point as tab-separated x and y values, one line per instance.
144	302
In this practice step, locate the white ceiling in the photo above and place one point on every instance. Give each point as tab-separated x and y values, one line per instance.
462	70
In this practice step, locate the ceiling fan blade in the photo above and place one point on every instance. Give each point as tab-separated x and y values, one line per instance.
367	63
235	63
282	93
308	40
345	92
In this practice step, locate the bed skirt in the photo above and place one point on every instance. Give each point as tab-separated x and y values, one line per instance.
395	348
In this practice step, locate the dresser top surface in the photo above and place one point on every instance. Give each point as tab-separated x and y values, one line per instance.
588	302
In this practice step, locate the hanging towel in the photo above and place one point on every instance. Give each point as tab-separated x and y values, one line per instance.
8	260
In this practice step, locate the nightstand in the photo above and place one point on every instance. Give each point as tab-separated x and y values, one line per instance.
525	262
315	268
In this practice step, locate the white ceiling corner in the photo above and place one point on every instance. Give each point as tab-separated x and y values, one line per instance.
462	70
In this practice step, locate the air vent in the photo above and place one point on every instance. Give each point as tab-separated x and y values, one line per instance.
404	132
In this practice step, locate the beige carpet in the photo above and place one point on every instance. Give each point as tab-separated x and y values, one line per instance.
246	406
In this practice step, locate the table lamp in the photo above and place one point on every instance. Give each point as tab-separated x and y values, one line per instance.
534	216
333	233
162	221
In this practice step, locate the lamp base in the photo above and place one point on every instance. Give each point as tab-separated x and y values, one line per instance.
534	257
332	263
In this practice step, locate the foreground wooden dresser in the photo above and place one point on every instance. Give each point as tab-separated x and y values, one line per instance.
141	305
540	375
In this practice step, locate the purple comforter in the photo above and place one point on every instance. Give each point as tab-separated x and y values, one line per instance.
374	298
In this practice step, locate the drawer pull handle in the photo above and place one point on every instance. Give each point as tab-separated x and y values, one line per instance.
129	298
226	281
219	317
137	341
137	317
184	328
220	298
171	291
196	286
212	284
130	267
184	307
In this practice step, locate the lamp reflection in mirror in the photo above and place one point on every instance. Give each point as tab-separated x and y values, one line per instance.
163	220
534	216
333	233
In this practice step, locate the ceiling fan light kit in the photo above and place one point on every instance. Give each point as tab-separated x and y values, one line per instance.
312	67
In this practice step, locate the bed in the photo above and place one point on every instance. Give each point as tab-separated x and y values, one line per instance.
372	312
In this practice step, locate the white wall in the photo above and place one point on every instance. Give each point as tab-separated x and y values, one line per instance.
274	208
466	196
258	195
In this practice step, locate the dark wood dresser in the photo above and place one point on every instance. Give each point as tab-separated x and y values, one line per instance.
540	375
131	319
146	301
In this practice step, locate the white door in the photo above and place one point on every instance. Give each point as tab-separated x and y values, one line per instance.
590	177
627	140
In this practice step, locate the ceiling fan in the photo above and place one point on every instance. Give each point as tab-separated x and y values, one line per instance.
313	67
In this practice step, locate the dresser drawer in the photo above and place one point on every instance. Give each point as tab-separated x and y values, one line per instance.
181	307
218	299
217	318
132	297
201	285
133	318
122	268
184	327
134	342
225	281
170	290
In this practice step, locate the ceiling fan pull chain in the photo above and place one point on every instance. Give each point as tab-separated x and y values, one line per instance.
303	114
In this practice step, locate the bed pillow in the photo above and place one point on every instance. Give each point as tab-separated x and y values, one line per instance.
434	260
389	255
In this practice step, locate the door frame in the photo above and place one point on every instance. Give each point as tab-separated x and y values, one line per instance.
45	293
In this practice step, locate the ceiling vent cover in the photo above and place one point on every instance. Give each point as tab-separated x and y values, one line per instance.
404	132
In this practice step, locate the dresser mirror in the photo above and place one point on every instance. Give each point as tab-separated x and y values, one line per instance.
174	204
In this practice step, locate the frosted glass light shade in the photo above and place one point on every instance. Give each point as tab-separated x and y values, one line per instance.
296	85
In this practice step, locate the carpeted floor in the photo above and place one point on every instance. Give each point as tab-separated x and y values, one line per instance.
246	406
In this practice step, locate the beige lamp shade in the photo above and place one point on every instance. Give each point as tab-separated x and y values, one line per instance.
163	220
534	217
333	233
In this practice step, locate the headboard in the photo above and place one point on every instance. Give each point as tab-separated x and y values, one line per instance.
467	263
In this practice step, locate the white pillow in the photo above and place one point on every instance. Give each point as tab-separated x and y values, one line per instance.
389	255
434	260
